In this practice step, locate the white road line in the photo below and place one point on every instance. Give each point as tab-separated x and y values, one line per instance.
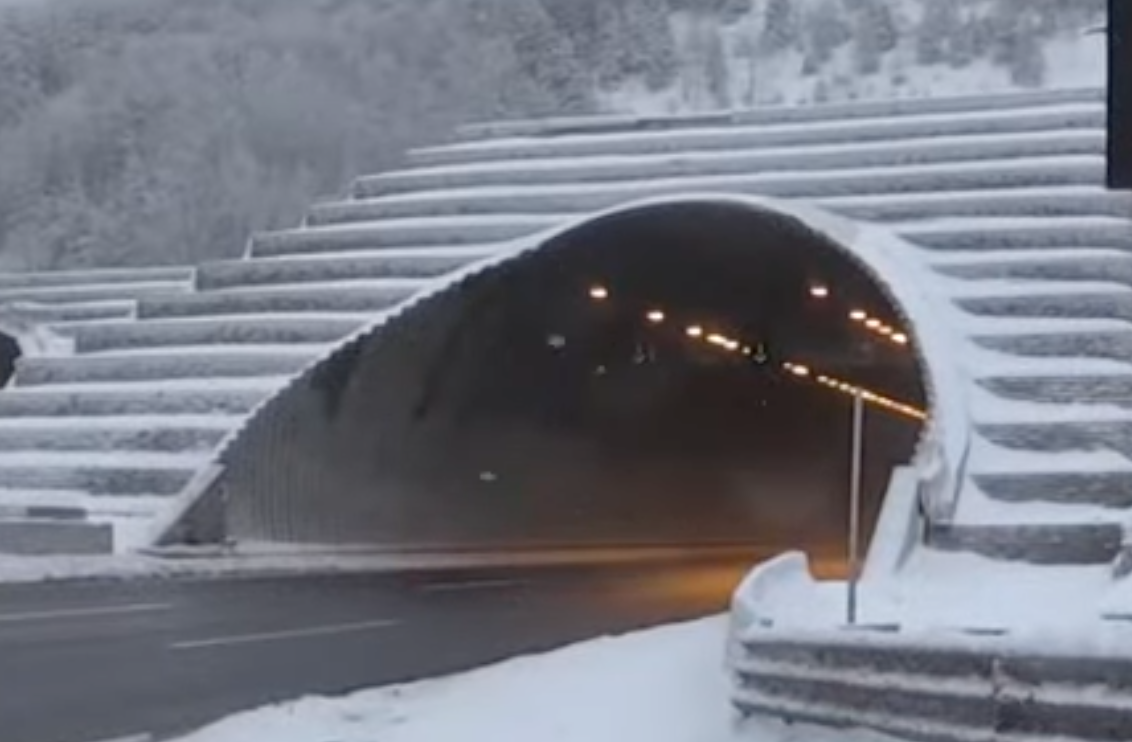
224	641
442	587
84	612
131	738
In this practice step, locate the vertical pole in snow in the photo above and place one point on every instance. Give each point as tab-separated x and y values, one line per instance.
855	507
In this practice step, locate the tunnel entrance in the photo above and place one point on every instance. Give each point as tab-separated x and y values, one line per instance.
9	354
675	375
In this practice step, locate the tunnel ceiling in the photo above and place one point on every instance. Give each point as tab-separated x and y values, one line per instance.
780	290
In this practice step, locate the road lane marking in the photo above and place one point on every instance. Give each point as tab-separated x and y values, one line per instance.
225	641
131	738
443	587
84	612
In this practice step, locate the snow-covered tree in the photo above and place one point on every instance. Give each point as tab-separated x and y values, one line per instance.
936	32
704	74
875	34
826	29
780	26
545	54
717	72
166	130
611	53
649	48
965	42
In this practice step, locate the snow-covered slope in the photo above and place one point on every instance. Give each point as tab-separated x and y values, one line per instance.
1002	197
806	52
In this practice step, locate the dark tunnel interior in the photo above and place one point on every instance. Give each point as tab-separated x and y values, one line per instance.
671	375
9	354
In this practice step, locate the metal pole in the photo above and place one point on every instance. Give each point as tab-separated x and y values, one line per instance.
855	507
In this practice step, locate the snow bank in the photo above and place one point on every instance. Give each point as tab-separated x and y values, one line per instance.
664	685
934	593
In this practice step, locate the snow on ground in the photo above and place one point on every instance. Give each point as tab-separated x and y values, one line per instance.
934	593
662	685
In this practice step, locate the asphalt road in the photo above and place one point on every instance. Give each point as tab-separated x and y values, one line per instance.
94	661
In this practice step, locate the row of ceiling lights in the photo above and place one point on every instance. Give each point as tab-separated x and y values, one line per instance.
818	291
892	405
658	316
861	317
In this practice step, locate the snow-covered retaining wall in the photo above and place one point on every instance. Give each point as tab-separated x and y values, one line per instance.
791	657
938	688
770	115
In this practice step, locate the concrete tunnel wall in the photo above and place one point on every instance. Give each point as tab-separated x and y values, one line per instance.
350	454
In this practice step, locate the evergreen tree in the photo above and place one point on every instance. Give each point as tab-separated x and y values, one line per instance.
578	20
19	89
780	27
964	42
1028	62
701	74
546	54
875	33
650	47
718	78
826	30
611	51
747	48
878	15
1016	34
936	32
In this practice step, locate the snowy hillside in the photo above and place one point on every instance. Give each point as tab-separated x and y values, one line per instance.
105	165
811	51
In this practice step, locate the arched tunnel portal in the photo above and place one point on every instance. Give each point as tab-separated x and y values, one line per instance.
676	374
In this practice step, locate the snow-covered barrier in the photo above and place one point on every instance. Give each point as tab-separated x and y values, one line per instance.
953	677
935	688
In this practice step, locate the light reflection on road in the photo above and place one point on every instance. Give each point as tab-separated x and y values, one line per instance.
708	586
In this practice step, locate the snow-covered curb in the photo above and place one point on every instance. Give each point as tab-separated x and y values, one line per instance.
663	685
311	562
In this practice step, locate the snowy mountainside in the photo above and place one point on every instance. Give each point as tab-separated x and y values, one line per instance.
802	52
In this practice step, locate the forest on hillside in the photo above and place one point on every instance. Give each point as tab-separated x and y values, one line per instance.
166	131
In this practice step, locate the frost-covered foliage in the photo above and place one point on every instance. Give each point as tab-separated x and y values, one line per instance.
807	51
164	131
